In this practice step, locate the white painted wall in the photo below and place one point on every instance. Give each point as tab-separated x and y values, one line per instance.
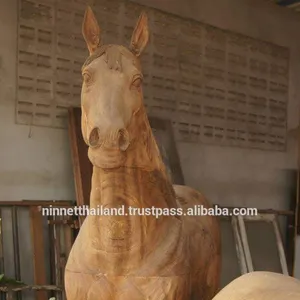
36	167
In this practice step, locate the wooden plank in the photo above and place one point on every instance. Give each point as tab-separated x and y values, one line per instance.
82	167
37	235
168	143
58	261
15	232
51	252
67	243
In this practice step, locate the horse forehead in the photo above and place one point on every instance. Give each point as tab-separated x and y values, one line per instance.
116	57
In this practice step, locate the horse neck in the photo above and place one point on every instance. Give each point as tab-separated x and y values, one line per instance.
146	185
131	187
138	189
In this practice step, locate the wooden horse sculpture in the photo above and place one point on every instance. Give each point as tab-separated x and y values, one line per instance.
261	286
136	256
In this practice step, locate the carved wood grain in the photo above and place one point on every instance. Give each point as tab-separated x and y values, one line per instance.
83	169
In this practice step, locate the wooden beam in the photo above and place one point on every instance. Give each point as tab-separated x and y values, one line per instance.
37	235
82	167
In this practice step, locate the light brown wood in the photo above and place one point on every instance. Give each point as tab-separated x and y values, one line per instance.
134	256
68	238
261	286
37	235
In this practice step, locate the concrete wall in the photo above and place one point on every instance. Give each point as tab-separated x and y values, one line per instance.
35	162
234	176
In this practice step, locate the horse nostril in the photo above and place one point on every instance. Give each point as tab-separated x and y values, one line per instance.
123	139
94	138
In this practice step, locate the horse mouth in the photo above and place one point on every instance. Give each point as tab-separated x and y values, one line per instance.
106	158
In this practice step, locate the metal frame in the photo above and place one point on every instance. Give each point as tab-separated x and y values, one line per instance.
239	246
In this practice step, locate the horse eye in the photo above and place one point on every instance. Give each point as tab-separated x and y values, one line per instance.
137	82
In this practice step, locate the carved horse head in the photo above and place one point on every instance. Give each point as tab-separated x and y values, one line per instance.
114	122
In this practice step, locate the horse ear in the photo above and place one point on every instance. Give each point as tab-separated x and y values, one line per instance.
140	35
91	30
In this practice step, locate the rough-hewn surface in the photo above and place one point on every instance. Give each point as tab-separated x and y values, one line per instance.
142	256
226	175
172	259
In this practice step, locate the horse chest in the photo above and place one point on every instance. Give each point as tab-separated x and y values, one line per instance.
139	288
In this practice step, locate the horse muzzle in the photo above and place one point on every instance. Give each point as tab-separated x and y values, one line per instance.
115	139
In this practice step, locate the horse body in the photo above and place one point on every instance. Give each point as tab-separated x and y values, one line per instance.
173	266
134	256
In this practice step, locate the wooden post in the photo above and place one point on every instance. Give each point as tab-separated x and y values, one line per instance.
37	235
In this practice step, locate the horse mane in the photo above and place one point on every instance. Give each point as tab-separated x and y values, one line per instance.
113	56
142	124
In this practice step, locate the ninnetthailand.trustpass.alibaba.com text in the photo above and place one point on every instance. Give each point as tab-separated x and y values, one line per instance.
122	210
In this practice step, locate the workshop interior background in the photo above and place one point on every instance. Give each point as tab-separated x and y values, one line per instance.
234	100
